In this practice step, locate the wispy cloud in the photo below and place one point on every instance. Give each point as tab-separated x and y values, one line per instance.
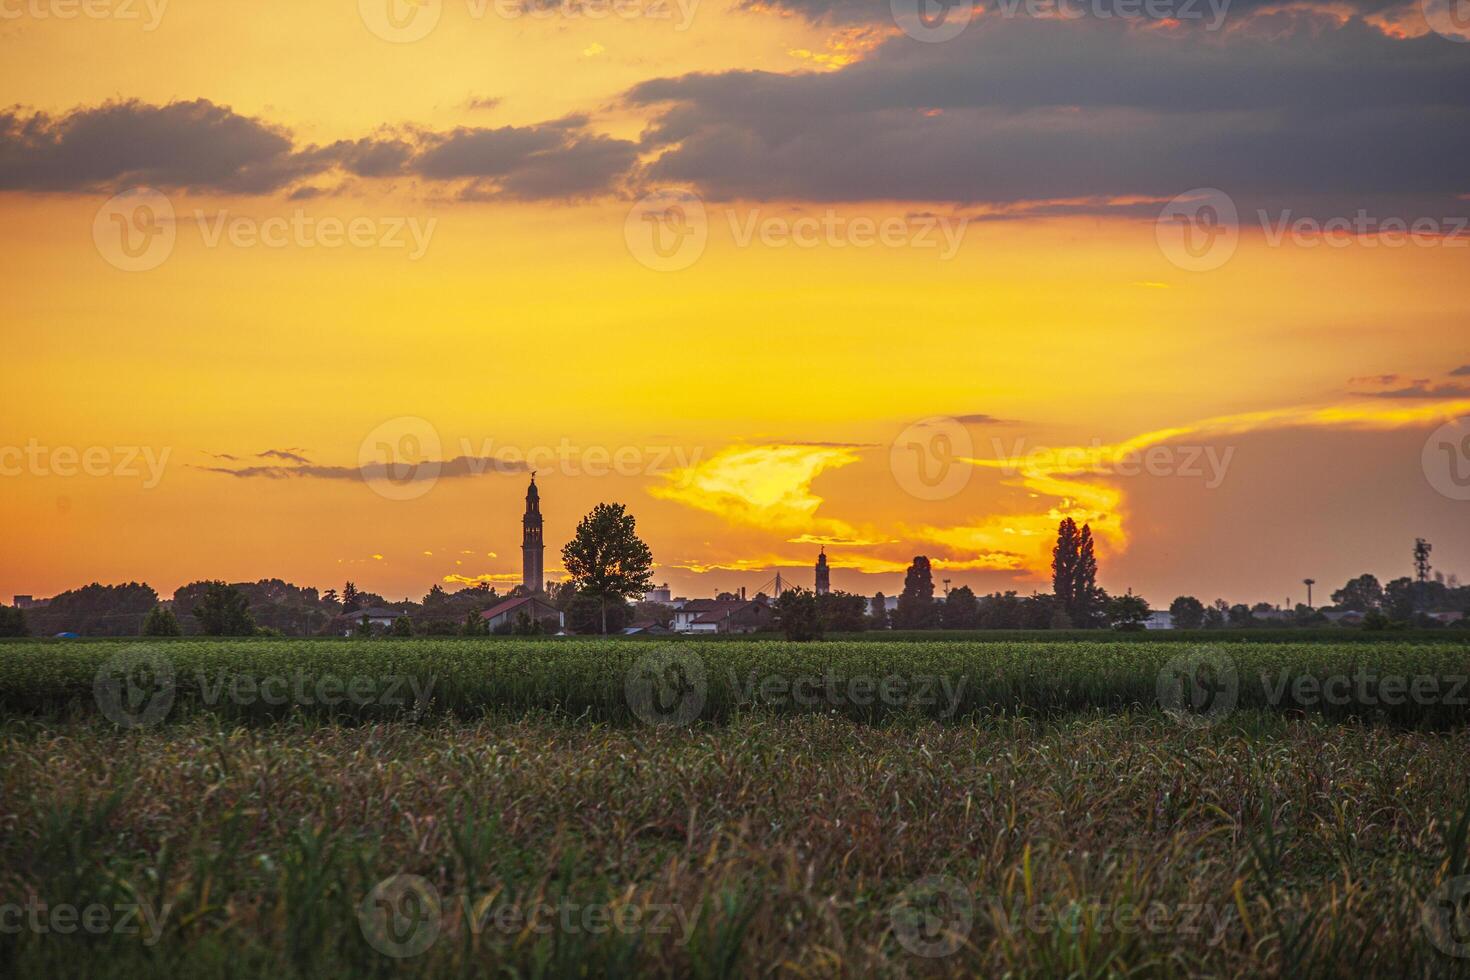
297	467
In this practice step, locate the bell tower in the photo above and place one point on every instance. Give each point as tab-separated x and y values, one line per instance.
532	549
824	581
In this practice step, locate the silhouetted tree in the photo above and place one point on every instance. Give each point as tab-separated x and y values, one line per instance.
797	611
1089	603
878	617
1362	594
842	612
1187	612
351	600
588	613
402	626
224	611
960	609
525	625
916	607
1127	612
1064	563
607	559
161	622
13	621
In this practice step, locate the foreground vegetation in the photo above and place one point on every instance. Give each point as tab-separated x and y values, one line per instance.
292	808
1088	846
1422	685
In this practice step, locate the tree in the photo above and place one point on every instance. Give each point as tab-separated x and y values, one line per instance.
606	558
1240	615
1089	603
1187	613
1362	594
161	622
474	625
654	612
364	628
842	612
961	610
224	611
1064	563
13	621
878	616
916	608
402	626
1400	598
1128	612
587	613
797	611
525	625
1215	614
351	599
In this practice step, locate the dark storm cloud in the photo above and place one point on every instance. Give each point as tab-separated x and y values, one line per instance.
1030	110
183	144
552	160
201	146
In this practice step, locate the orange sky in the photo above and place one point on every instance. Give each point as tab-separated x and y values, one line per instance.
765	399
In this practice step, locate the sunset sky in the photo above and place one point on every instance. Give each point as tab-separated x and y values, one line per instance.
778	275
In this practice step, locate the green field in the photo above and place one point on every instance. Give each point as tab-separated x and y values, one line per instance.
738	808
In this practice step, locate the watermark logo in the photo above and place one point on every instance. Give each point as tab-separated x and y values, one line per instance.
1198	689
1198	230
136	687
1446	917
135	230
667	230
932	21
929	458
1450	19
1446	459
400	21
933	916
400	459
401	916
667	686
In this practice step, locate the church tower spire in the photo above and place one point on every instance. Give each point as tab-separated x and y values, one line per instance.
824	582
532	549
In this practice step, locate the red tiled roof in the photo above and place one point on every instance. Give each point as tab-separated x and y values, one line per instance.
511	604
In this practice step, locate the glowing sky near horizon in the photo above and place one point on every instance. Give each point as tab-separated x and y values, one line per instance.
760	401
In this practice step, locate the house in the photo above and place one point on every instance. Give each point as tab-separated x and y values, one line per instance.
1350	617
378	617
723	616
1159	619
1446	616
536	607
646	627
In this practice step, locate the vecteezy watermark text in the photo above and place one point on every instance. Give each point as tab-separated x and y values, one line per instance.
35	459
668	230
148	12
136	230
36	915
861	690
138	686
404	915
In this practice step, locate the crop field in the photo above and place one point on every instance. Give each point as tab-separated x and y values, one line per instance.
743	808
